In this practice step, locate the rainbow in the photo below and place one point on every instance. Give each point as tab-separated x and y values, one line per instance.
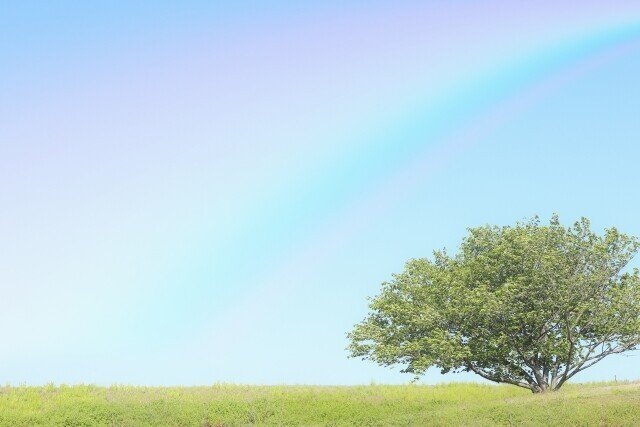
398	157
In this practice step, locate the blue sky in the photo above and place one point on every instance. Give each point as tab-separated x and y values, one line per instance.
209	192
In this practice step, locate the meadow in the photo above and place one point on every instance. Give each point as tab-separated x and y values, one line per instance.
614	404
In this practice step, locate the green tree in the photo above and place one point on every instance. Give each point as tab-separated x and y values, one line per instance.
530	305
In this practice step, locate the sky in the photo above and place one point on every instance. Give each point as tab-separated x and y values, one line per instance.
198	192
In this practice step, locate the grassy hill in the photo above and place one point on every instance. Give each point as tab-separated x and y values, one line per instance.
599	404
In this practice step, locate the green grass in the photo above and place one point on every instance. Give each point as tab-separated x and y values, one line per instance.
230	405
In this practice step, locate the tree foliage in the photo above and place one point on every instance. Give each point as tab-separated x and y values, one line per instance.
530	305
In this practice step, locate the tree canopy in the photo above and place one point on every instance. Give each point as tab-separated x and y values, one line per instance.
530	305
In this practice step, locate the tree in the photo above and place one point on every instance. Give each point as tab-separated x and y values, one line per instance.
530	305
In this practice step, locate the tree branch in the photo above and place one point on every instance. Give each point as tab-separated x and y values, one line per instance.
499	379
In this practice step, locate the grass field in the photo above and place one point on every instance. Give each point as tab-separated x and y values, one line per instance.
598	404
